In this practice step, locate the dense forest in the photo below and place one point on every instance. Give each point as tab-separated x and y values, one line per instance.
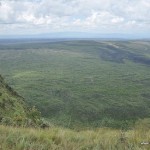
81	83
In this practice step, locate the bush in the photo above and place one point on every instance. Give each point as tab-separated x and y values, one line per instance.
7	121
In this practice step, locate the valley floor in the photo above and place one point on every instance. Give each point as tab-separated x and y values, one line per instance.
64	139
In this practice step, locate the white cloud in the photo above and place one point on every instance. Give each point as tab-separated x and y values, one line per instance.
74	15
5	12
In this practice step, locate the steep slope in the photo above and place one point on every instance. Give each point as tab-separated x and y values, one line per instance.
13	110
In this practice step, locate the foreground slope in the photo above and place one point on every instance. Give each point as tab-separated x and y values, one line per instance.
81	83
64	139
13	110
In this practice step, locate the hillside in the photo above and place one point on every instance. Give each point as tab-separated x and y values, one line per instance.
13	110
81	83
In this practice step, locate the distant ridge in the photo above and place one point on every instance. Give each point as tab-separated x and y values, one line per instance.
79	35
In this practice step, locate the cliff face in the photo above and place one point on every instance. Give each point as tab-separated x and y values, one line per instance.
13	110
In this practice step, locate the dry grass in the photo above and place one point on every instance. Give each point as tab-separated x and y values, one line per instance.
65	139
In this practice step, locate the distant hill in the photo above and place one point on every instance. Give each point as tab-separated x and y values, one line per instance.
13	110
77	35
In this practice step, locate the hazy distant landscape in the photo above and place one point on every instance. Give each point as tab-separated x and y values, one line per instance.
81	83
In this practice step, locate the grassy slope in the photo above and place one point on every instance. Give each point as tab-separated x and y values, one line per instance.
64	139
13	110
81	82
11	104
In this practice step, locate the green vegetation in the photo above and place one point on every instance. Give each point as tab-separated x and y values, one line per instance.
75	84
13	110
81	83
65	139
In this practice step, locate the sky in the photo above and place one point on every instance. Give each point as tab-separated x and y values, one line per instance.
22	17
